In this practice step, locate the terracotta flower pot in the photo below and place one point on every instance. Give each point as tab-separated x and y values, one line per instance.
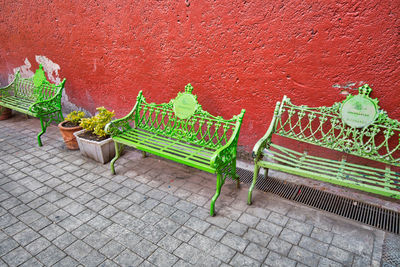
68	135
5	113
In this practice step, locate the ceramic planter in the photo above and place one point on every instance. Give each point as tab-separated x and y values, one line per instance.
68	135
102	151
5	113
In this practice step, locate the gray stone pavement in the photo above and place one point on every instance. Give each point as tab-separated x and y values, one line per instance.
59	208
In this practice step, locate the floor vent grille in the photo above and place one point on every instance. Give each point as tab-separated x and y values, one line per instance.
372	215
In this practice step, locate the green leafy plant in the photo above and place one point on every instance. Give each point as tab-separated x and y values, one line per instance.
97	123
75	117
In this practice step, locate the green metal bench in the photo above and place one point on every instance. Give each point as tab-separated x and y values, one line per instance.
183	132
356	126
35	97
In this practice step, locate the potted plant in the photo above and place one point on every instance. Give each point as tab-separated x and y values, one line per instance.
5	113
69	127
93	141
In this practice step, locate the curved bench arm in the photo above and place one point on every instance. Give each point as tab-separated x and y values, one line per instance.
49	105
227	153
266	139
118	126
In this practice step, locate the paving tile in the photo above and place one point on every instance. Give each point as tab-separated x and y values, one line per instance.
64	240
314	245
16	257
168	225
277	218
185	206
184	234
257	237
38	246
52	231
128	258
249	220
360	246
66	262
188	253
197	224
280	246
99	222
325	262
290	236
15	228
144	248
322	235
112	249
269	228
169	243
50	255
242	260
82	231
340	255
94	258
129	239
151	218
300	227
96	239
7	245
256	252
202	242
276	260
237	228
208	261
234	242
78	250
29	263
70	223
215	232
180	217
162	258
304	256
152	234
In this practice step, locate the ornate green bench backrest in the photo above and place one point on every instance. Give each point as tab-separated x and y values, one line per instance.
183	118
36	88
356	126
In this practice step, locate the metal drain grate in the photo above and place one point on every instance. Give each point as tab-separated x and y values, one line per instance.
381	218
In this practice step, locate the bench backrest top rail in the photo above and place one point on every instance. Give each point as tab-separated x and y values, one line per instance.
183	118
356	126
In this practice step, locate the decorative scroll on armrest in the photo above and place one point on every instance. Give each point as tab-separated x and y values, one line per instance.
49	105
227	153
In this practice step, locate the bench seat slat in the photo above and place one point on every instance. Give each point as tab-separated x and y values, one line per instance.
347	172
178	151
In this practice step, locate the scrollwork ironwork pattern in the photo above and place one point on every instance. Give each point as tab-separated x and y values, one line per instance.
324	127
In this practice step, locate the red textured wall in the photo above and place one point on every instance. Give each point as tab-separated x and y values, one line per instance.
236	54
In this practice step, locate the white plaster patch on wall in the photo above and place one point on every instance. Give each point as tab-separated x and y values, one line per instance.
50	68
25	71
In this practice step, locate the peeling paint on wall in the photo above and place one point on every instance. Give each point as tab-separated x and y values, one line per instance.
50	68
25	71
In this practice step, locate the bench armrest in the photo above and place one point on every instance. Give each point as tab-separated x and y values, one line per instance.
227	153
49	105
118	126
266	139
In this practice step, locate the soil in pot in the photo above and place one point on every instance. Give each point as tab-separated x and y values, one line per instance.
67	130
91	136
5	113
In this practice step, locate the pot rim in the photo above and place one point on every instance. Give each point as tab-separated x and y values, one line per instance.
60	125
91	141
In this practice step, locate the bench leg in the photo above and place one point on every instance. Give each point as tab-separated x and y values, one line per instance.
117	155
234	174
43	126
218	191
256	171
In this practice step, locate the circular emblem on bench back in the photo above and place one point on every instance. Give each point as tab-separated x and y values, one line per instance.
359	111
185	105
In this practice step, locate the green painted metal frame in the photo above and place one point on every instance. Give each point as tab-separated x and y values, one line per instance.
198	139
35	97
323	126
